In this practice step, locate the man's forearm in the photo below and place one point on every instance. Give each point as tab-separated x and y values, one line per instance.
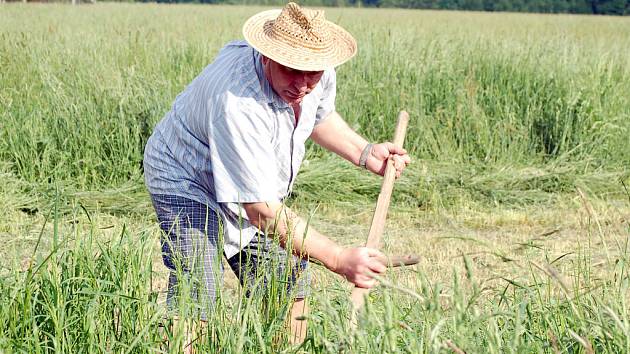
293	230
308	241
335	135
354	263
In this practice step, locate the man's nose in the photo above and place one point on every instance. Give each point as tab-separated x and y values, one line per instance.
301	82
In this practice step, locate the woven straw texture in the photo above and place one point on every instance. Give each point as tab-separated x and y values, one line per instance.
299	38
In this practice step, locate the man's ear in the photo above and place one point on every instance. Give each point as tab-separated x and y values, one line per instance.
264	60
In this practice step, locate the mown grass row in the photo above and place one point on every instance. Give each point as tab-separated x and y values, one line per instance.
426	186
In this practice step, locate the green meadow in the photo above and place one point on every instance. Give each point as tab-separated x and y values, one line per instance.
517	200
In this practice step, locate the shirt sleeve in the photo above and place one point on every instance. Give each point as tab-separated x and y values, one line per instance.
327	102
241	152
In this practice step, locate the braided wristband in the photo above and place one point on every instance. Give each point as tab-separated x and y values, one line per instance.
364	156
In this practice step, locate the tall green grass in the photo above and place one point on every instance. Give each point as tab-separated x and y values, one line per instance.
82	88
95	293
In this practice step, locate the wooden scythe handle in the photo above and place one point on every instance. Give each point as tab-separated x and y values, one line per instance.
378	220
399	261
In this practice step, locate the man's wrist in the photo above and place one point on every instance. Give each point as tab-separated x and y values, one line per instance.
364	155
335	260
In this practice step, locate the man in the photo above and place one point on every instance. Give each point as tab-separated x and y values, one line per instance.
230	148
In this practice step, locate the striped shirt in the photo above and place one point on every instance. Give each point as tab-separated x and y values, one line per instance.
230	139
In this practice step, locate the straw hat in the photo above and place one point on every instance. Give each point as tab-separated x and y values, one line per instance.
299	38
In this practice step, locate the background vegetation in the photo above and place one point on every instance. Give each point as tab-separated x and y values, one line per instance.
517	197
596	7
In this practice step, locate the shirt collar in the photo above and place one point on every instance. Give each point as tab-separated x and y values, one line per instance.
268	93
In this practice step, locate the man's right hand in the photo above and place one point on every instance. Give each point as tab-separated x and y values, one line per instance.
356	264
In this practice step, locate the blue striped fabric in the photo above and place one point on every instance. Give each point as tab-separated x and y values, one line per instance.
230	139
191	251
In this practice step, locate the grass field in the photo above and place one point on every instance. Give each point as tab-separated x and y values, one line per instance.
518	197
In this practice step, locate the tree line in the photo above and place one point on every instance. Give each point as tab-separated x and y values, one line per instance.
597	7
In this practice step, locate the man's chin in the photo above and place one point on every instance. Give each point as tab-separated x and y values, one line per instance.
293	101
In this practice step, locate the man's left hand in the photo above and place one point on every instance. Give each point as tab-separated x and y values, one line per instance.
377	160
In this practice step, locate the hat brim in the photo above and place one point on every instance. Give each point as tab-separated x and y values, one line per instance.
257	32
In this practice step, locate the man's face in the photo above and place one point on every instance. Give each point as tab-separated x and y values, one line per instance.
290	84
